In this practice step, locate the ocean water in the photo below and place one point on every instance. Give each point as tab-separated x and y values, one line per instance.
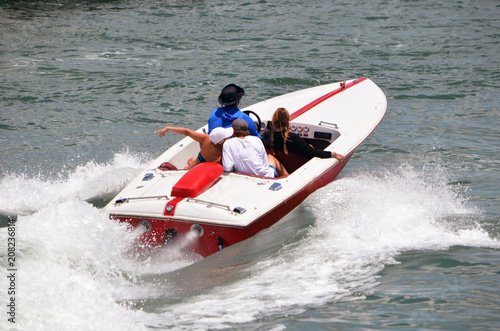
406	238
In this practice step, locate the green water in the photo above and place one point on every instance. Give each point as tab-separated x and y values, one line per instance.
407	238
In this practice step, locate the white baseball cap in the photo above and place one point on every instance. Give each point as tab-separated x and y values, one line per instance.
219	134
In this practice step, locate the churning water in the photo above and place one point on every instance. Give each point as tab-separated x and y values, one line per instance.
406	237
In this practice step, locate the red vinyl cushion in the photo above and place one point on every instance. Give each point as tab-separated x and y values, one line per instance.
197	180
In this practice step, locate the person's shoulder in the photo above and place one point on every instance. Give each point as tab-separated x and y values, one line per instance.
231	142
244	116
216	111
214	120
252	138
294	136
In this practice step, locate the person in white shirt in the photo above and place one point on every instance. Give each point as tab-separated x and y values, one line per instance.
246	154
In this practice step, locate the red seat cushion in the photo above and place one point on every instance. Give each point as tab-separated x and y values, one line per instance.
197	180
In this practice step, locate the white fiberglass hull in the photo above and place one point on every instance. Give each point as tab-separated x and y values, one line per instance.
338	117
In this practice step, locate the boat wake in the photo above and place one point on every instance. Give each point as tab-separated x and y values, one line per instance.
331	248
24	194
361	222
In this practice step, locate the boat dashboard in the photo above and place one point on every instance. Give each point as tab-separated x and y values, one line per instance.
320	136
323	131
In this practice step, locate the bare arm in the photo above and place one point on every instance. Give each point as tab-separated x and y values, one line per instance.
197	136
338	156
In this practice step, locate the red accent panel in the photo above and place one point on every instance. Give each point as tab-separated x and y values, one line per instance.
207	244
325	97
173	203
197	180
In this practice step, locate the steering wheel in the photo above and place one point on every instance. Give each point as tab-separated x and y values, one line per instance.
259	125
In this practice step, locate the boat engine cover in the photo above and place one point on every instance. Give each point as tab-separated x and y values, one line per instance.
197	180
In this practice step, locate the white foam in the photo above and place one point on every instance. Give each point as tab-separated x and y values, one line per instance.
362	223
23	194
72	261
78	270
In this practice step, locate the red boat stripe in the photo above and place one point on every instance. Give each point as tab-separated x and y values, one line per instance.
173	203
324	97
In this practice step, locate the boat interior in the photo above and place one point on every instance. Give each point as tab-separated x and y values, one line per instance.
319	136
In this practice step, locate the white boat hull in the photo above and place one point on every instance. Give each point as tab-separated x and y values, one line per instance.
237	206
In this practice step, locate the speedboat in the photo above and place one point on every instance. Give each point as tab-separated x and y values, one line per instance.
207	209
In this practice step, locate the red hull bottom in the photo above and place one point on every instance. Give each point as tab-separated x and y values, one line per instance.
214	237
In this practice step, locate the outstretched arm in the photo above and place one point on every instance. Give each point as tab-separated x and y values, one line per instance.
338	156
197	136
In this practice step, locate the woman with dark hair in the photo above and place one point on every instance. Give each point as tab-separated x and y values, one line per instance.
274	139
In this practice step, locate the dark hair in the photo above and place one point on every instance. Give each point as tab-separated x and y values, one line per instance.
240	127
281	123
241	133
